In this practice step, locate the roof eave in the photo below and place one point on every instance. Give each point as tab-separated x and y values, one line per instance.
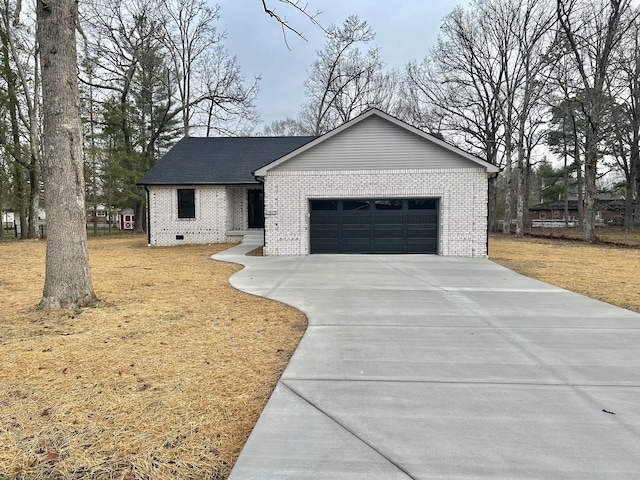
150	184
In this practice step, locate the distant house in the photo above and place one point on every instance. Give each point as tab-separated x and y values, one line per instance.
8	220
373	185
609	211
99	215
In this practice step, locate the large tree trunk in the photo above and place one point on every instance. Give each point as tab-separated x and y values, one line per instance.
590	190
521	177
508	177
565	183
631	197
68	277
140	224
508	194
579	179
34	197
521	192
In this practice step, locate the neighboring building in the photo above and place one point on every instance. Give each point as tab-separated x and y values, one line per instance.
127	219
8	220
124	219
609	211
373	185
100	215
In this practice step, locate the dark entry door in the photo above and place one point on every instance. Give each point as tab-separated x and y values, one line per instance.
256	209
374	225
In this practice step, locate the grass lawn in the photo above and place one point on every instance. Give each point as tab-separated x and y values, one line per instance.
165	378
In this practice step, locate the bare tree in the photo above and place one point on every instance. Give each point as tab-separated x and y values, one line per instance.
566	132
623	135
592	29
297	7
340	82
454	90
188	35
521	31
226	105
68	277
160	71
285	128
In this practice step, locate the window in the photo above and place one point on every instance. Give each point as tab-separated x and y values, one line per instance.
388	204
323	205
355	205
423	204
186	203
543	214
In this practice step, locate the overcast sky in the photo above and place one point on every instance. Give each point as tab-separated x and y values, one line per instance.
405	29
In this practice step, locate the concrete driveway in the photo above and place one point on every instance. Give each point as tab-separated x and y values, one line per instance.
417	367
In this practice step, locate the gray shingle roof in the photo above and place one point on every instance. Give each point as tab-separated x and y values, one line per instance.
219	160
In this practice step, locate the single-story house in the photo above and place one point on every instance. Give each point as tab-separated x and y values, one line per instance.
609	211
373	185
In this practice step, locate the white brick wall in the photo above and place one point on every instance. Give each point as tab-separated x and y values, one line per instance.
240	208
219	209
462	193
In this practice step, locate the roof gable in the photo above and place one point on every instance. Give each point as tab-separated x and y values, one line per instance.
218	160
369	138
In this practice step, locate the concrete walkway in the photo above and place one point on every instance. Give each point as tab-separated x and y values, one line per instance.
417	367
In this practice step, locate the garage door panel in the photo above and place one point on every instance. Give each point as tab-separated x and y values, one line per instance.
380	233
355	234
326	247
354	245
396	220
418	231
374	226
326	234
425	246
388	246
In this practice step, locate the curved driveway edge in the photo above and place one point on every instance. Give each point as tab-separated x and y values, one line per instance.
418	366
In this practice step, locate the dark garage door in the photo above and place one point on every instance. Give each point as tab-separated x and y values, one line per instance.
374	225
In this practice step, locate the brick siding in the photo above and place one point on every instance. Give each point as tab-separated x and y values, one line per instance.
219	209
462	193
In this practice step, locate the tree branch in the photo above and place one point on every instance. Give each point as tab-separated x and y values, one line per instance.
285	24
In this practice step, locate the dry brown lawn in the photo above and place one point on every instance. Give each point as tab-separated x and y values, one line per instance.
165	378
604	272
615	235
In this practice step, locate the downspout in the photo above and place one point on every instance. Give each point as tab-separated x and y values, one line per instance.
148	216
492	178
264	230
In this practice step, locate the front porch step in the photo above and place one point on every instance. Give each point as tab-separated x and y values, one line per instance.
253	233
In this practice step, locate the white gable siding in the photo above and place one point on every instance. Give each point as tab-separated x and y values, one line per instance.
375	143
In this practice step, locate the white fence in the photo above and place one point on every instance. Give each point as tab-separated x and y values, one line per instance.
553	223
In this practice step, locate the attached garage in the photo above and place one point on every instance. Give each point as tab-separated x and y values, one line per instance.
376	185
385	225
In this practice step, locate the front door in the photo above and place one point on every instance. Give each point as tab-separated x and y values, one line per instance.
256	209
